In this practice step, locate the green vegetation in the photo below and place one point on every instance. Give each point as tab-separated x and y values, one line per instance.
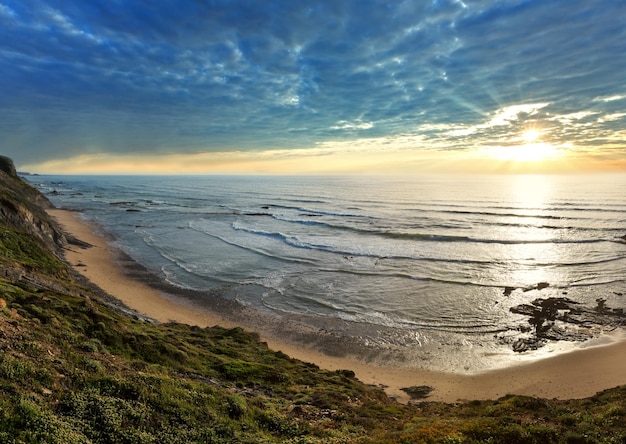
23	250
73	370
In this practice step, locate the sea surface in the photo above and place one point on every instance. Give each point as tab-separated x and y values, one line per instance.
412	267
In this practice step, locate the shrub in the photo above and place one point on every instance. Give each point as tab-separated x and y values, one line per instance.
15	369
236	407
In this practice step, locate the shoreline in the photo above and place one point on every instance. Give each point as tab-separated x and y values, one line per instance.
577	374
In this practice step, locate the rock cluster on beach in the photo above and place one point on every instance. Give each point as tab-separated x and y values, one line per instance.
561	319
418	392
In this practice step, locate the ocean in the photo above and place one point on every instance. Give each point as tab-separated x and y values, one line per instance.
409	271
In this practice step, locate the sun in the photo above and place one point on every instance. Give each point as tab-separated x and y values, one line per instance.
531	148
527	147
531	135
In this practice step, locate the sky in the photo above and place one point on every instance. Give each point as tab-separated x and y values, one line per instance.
313	87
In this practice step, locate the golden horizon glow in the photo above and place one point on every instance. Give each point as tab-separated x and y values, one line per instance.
527	143
527	152
527	158
536	152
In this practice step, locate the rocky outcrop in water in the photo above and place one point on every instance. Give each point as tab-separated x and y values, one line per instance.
563	319
540	286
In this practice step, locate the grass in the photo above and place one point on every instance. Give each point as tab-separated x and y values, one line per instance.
73	370
20	249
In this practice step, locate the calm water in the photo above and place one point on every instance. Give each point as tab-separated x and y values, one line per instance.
404	264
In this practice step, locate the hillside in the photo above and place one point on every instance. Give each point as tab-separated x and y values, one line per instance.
74	368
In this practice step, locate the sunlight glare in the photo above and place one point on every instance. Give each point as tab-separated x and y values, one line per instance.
530	135
527	147
532	152
531	195
521	153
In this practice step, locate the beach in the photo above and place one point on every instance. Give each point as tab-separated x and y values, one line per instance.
576	374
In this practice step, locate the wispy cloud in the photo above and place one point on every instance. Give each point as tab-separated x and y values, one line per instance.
187	77
6	11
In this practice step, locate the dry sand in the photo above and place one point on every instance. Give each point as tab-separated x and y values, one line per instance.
576	374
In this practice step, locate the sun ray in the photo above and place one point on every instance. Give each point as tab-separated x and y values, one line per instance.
530	135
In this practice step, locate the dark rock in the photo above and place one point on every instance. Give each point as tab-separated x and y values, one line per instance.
542	285
6	165
13	274
526	344
539	286
551	306
555	333
71	240
509	290
418	391
524	309
551	317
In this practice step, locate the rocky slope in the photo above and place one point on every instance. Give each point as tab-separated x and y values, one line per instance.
23	207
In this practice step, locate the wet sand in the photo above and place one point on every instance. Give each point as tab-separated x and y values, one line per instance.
576	374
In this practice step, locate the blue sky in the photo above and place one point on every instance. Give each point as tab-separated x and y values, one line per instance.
275	86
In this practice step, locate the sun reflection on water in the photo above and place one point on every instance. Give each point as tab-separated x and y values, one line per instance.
530	192
528	252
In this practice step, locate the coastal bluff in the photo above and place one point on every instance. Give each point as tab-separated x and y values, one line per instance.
75	368
23	207
6	165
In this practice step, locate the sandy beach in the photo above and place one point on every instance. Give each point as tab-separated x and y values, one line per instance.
576	374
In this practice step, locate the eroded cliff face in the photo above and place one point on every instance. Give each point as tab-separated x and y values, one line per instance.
31	242
22	207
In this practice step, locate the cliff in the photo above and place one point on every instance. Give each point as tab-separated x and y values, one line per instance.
23	207
31	247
